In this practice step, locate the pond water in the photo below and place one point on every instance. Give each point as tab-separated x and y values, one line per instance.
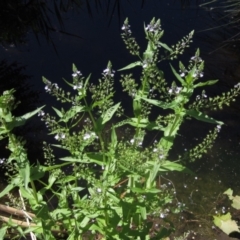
90	40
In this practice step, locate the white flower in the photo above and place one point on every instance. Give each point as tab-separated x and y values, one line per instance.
161	156
162	215
76	74
132	141
237	85
41	113
182	74
99	190
108	72
86	136
177	90
153	27
89	135
55	85
78	86
47	88
219	128
2	160
56	137
196	59
174	90
125	27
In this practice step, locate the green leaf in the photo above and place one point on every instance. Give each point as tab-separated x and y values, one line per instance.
84	222
173	166
71	159
113	138
179	78
19	121
235	199
3	232
225	223
202	84
109	113
37	172
145	190
59	113
72	112
164	45
202	117
143	212
131	65
161	104
74	68
136	107
95	158
189	77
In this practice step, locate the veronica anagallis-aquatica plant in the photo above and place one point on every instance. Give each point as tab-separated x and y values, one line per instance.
107	185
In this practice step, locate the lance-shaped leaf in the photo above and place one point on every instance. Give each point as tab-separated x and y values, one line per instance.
190	76
72	112
161	104
164	45
131	65
109	113
19	121
173	166
179	78
58	112
202	84
202	117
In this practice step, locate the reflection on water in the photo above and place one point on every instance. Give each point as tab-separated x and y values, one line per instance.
218	169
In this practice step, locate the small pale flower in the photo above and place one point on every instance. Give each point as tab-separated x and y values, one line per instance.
218	128
99	190
237	85
153	27
196	59
55	85
2	160
161	156
108	72
56	137
47	88
174	90
86	136
162	215
182	74
41	113
77	86
89	135
77	74
63	135
132	141
126	29
177	90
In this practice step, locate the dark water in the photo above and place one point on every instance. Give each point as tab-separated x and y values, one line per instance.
97	40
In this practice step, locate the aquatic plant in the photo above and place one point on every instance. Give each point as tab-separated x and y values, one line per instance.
107	186
225	222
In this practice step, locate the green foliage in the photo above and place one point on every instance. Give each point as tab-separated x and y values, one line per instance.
225	222
111	189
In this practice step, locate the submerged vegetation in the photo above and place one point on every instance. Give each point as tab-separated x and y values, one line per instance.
114	189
